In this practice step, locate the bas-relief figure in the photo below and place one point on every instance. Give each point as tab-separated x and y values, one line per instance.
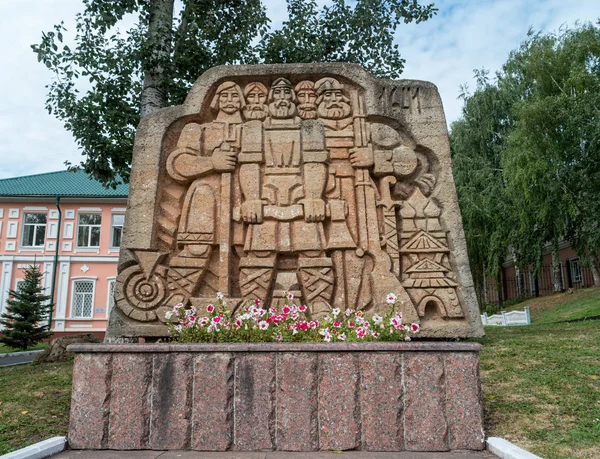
287	183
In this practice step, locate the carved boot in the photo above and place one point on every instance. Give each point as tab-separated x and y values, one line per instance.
186	271
316	276
256	277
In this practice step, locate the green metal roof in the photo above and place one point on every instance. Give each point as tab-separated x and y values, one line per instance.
61	183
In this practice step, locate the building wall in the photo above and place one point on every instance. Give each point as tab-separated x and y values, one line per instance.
573	273
76	263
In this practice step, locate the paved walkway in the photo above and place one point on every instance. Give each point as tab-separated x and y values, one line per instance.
266	455
18	358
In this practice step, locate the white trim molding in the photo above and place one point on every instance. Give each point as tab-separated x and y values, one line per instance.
13	213
70	214
11	231
5	283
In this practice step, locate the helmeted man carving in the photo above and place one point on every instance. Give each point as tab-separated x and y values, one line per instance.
203	151
350	156
283	174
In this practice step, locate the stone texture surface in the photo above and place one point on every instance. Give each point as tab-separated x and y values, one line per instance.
129	419
172	384
92	374
254	402
382	400
463	401
229	398
212	405
424	402
297	402
339	402
283	177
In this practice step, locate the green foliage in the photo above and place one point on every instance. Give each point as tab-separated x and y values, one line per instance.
25	320
526	152
98	82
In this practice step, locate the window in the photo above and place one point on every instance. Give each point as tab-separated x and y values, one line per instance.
88	230
83	299
34	229
111	296
576	275
116	229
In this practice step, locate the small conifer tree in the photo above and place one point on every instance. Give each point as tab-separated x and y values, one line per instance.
25	320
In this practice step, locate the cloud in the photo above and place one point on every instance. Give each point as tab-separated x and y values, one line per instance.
472	35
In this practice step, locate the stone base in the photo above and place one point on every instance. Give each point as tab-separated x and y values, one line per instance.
419	396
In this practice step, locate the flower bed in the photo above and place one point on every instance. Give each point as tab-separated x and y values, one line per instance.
287	323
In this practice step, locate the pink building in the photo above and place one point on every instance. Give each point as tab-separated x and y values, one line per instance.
67	217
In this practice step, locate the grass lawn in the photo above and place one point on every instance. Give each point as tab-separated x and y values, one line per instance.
6	350
541	382
34	403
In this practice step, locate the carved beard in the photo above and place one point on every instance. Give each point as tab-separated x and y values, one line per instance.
255	112
282	109
334	110
307	111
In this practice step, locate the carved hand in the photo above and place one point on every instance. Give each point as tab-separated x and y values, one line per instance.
314	210
252	211
224	161
427	183
361	157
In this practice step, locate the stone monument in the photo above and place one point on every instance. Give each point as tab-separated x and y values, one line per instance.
315	179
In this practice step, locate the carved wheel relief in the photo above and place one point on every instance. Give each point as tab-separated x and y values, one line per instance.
289	186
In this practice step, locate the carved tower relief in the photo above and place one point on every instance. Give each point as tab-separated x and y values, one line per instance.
274	183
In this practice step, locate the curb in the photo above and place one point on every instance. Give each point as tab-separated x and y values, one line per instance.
14	354
39	450
506	450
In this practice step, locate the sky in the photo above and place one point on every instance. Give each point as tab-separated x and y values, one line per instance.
463	36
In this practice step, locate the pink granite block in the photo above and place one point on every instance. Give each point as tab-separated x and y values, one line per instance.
297	402
425	427
90	401
339	403
171	401
464	409
129	420
381	402
212	402
254	402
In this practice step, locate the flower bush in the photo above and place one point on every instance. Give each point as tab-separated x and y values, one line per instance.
288	323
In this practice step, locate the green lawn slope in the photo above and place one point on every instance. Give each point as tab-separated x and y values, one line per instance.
541	382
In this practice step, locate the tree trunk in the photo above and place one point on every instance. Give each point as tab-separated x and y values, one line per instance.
556	275
595	273
517	274
486	295
160	29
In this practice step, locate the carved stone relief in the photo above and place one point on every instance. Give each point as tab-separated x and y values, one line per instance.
288	183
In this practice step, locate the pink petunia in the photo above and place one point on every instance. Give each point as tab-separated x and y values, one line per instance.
391	298
337	324
286	310
302	308
263	325
414	328
216	320
351	324
210	308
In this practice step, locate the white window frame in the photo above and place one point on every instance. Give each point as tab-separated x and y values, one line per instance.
572	262
35	227
80	225
74	280
112	281
112	233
